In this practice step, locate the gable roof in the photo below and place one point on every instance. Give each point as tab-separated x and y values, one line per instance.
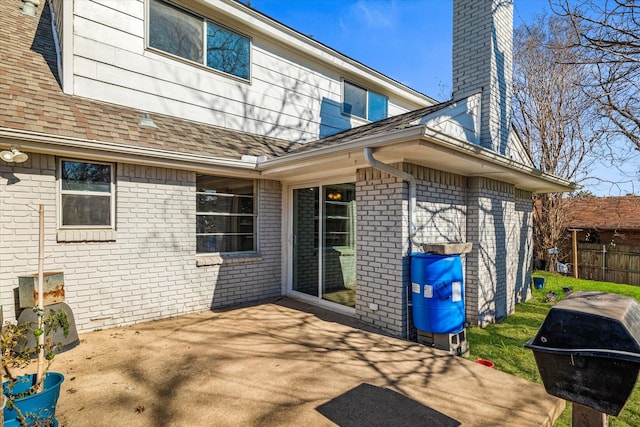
399	122
32	102
38	117
604	213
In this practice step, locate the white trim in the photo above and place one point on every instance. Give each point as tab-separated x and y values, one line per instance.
91	227
419	136
318	301
67	73
111	152
403	135
289	253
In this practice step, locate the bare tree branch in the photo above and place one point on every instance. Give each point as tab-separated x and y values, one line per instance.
607	36
555	117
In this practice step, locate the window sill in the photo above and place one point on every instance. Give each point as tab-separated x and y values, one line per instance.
230	259
68	236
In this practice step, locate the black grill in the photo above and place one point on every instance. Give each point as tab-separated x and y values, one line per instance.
587	350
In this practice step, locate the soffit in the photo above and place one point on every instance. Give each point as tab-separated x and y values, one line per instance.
417	147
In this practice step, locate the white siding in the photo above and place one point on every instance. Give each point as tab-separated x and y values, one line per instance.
292	94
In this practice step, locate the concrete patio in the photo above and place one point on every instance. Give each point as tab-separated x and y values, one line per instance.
282	363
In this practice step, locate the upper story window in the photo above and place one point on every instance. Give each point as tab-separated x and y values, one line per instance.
189	36
86	194
225	214
358	101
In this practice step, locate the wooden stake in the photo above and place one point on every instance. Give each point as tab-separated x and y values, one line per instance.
583	416
575	253
575	250
40	370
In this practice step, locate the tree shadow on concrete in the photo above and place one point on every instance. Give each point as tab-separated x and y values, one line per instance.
278	363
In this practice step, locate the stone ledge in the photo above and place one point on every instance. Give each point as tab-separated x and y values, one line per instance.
447	248
221	259
77	236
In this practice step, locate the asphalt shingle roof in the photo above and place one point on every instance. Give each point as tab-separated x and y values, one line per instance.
401	121
613	213
31	100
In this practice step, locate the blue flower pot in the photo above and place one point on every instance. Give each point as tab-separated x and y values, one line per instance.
40	406
538	282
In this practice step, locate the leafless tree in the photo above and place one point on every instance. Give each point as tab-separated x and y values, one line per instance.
607	37
554	117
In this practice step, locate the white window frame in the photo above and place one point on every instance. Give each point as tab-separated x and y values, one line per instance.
367	100
111	195
254	215
203	61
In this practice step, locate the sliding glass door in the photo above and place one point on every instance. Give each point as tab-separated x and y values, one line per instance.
324	243
306	226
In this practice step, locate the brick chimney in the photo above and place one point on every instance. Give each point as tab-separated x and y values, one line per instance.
482	52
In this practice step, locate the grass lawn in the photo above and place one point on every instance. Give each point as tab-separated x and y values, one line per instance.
503	343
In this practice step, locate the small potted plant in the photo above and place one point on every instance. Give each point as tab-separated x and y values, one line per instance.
30	399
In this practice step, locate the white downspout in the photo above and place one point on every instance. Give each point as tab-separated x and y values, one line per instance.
413	229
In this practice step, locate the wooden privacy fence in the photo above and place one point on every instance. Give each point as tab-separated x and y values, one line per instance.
618	264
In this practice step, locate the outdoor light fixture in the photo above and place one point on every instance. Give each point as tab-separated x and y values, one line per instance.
13	156
29	8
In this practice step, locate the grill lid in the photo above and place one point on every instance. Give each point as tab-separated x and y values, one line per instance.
591	320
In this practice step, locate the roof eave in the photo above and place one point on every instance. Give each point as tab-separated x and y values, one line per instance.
415	144
548	183
58	145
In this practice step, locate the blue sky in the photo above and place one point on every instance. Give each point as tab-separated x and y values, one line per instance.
409	41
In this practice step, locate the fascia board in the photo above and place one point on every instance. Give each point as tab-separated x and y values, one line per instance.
108	151
482	154
421	136
404	135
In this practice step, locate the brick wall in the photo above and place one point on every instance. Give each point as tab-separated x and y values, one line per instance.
149	271
254	279
482	61
382	264
498	268
441	199
522	244
383	238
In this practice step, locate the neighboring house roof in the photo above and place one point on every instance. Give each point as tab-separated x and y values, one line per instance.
31	100
604	213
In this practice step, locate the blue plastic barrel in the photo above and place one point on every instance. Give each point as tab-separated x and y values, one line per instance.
437	292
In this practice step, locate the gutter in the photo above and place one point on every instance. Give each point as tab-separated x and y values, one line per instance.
483	154
108	151
422	135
